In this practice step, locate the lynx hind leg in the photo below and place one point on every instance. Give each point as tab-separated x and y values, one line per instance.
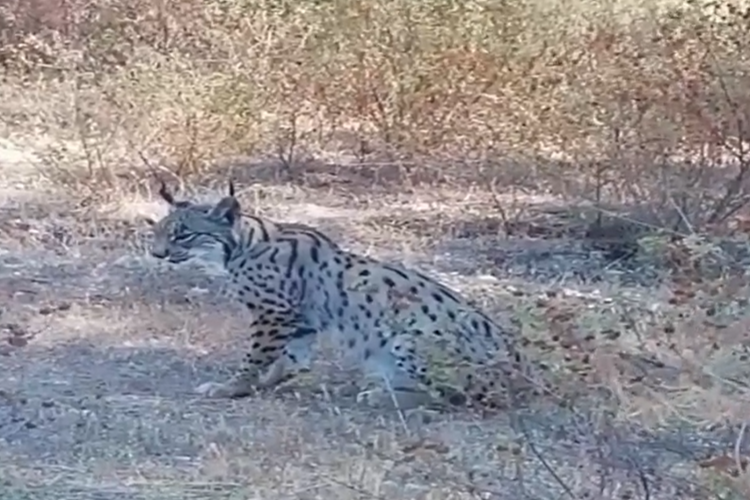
401	376
279	352
500	385
421	379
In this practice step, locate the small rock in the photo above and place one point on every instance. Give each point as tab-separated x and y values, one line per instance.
16	341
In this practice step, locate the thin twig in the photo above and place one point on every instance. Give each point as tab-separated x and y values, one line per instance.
738	448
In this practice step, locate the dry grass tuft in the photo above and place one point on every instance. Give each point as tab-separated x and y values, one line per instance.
579	166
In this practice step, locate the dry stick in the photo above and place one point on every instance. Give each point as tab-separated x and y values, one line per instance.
163	187
394	399
738	447
644	483
287	158
517	421
682	215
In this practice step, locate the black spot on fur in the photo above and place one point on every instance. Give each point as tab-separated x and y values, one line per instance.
302	332
487	330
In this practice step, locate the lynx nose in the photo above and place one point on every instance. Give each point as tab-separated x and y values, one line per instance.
159	252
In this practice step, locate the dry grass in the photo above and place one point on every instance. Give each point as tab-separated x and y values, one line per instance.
480	140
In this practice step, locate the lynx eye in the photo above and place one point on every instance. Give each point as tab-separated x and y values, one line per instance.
184	238
177	231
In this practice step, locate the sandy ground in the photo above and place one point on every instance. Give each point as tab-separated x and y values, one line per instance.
102	347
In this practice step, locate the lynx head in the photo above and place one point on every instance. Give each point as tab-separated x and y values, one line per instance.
192	230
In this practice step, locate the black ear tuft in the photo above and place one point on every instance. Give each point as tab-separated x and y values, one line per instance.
165	194
228	209
231	188
148	220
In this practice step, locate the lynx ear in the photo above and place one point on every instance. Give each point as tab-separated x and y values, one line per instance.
228	209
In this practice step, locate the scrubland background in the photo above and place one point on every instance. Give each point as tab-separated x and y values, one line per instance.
583	163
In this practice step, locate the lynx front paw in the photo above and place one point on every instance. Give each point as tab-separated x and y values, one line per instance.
402	399
223	390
